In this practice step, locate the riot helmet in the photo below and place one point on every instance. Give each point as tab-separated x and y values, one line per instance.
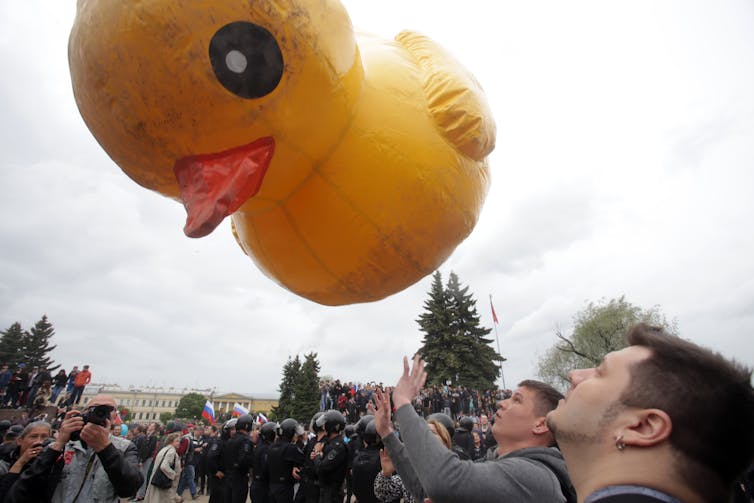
245	422
267	431
288	428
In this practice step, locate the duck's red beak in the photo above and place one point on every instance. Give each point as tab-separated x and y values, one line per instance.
214	186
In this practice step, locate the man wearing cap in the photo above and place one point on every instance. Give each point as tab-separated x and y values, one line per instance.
96	467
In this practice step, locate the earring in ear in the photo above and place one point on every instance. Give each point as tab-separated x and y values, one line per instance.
619	443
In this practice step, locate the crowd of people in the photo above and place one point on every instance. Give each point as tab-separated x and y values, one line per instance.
38	388
662	420
455	401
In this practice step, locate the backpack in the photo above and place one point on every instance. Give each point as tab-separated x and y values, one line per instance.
189	444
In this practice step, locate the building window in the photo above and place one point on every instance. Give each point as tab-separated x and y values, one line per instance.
143	403
150	403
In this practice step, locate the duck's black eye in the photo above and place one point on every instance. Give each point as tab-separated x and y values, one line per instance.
246	59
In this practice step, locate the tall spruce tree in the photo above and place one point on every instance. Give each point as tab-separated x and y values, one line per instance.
454	344
13	345
291	371
307	389
38	345
480	369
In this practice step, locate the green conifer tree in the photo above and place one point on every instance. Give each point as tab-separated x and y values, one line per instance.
38	345
13	345
454	344
479	366
291	371
307	389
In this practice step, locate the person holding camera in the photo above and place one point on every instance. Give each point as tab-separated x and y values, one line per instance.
85	463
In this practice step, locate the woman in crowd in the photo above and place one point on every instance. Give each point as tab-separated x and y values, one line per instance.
168	463
30	444
388	485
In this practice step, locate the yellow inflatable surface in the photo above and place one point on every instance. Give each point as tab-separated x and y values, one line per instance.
351	166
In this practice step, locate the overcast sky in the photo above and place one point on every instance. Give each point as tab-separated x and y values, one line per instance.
624	165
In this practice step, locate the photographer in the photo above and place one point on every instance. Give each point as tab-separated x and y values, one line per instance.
85	463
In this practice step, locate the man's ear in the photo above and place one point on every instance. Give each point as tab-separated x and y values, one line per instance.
540	426
647	427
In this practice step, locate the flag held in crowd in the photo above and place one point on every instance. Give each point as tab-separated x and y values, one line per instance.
261	419
209	412
238	410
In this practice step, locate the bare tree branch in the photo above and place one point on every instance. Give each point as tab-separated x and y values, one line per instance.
572	348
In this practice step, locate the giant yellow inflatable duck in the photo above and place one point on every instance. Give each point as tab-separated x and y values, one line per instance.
351	166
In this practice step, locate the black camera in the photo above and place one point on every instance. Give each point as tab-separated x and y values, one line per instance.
98	415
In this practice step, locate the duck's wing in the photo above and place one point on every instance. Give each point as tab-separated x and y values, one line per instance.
456	100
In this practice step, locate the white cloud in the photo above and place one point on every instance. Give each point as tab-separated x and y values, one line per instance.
623	166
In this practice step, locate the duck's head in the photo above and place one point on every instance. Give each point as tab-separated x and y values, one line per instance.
196	99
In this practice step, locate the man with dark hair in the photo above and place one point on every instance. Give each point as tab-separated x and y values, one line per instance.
661	420
525	469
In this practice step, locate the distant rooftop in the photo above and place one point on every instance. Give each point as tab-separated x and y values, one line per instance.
116	388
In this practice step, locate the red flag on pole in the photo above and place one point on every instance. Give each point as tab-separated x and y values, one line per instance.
494	315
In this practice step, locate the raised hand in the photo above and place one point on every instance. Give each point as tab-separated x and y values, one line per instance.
380	408
410	383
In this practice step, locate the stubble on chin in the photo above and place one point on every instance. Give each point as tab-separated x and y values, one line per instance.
595	436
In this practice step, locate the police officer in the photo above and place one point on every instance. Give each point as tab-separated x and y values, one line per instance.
237	459
215	486
350	437
354	445
218	463
331	458
260	483
366	465
282	457
308	491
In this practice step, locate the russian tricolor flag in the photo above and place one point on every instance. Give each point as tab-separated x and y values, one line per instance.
209	412
261	419
238	410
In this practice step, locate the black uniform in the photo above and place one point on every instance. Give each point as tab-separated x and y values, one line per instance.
216	486
282	457
354	444
260	483
364	469
237	458
308	490
331	470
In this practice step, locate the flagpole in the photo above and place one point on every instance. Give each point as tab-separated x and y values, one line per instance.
497	340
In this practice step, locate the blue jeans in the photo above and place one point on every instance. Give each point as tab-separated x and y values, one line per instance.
187	479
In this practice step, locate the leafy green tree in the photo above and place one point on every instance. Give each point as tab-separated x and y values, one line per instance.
166	416
12	345
284	408
190	406
597	330
454	345
38	345
307	389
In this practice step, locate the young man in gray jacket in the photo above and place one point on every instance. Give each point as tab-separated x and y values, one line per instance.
525	468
